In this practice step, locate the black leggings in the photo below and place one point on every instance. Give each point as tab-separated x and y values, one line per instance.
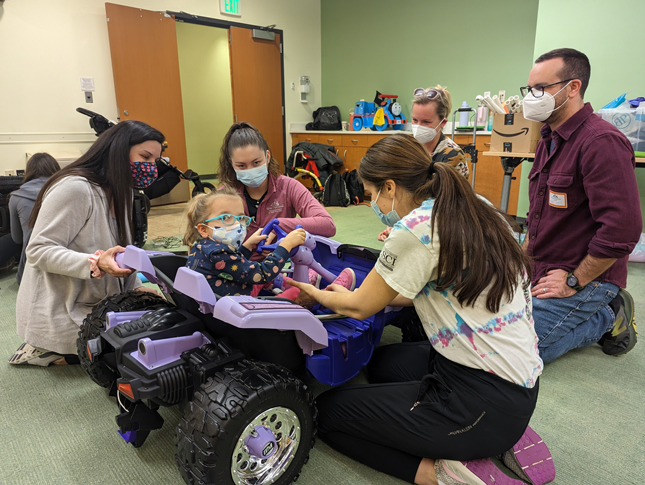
9	251
462	414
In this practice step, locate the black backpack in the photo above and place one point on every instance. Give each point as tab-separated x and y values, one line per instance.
354	187
335	191
326	119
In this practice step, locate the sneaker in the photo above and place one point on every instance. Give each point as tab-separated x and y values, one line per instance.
26	354
346	278
474	472
622	337
314	278
530	459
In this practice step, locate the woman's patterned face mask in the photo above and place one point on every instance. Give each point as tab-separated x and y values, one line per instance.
143	174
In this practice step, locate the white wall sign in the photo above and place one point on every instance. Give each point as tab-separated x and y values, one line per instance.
87	84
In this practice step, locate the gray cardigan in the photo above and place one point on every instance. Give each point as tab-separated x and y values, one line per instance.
56	292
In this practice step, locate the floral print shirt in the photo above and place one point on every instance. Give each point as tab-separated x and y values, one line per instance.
231	272
502	343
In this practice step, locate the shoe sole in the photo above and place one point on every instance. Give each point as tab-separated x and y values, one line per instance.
628	305
479	472
530	459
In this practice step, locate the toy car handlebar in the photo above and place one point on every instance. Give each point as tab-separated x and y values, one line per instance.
273	226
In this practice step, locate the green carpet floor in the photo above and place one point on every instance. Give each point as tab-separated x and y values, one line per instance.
57	426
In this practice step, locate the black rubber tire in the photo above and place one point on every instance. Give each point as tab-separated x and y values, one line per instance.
94	324
222	408
207	186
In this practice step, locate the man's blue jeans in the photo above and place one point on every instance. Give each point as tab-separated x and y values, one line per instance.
563	324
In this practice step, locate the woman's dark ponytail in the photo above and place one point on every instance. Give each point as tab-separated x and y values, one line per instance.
478	250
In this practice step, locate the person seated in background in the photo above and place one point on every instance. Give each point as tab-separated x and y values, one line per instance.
220	249
430	110
39	168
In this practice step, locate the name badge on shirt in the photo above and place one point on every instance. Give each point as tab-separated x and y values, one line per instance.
557	199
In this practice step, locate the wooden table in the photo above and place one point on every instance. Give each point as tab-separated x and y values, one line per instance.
510	160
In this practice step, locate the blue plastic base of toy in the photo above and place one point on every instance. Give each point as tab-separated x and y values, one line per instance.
142	278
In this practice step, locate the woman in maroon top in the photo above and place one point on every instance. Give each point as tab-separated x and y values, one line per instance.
246	164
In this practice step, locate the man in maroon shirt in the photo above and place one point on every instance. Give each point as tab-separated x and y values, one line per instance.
584	217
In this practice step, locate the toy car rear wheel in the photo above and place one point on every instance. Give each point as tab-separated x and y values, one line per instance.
357	124
94	324
225	413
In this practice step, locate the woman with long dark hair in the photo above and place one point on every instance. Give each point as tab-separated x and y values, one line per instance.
39	168
435	410
82	209
247	165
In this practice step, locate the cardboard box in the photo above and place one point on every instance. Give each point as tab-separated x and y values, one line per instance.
514	133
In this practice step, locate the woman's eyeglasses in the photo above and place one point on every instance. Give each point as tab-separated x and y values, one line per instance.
429	93
230	219
538	91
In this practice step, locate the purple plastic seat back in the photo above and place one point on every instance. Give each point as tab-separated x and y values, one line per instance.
194	285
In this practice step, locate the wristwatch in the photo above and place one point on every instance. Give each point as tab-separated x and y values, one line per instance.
573	282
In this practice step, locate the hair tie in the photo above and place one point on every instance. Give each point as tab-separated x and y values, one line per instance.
431	168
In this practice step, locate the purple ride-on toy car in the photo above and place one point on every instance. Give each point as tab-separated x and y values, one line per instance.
228	362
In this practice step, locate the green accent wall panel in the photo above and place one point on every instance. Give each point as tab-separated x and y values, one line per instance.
470	46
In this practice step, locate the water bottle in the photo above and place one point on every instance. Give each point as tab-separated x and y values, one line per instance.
463	115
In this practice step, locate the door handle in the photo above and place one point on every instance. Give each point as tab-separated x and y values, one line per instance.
345	157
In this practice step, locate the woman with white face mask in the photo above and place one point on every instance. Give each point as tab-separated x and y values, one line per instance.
246	164
430	110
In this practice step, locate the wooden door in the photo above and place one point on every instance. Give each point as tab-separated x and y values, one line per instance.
143	47
256	77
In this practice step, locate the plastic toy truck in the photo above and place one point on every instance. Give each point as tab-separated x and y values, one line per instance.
384	112
230	363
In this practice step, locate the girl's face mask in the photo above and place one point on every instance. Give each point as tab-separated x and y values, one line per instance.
230	235
388	219
143	174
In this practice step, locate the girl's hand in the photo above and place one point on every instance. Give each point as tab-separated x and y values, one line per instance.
108	264
252	242
385	234
293	239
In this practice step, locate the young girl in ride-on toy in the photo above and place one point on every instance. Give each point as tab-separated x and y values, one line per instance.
215	231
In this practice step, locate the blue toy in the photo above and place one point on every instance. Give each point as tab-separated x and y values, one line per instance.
384	112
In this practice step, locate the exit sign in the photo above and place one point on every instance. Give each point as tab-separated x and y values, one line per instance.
230	7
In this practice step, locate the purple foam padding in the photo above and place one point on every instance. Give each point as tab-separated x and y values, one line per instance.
129	436
194	285
249	312
164	351
332	245
303	260
117	318
534	458
257	444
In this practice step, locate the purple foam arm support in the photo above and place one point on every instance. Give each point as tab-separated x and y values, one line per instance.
303	259
333	245
117	318
155	353
249	312
194	284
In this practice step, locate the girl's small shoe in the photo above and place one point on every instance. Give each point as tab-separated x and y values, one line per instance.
530	459
346	278
314	278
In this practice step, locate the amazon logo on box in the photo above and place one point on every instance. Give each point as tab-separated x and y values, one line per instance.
514	133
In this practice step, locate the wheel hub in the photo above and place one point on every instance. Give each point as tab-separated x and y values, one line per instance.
266	447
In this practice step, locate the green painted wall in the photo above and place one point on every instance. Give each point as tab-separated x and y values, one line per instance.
205	71
614	45
394	47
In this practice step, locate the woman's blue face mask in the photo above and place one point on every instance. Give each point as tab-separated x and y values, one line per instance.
388	219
